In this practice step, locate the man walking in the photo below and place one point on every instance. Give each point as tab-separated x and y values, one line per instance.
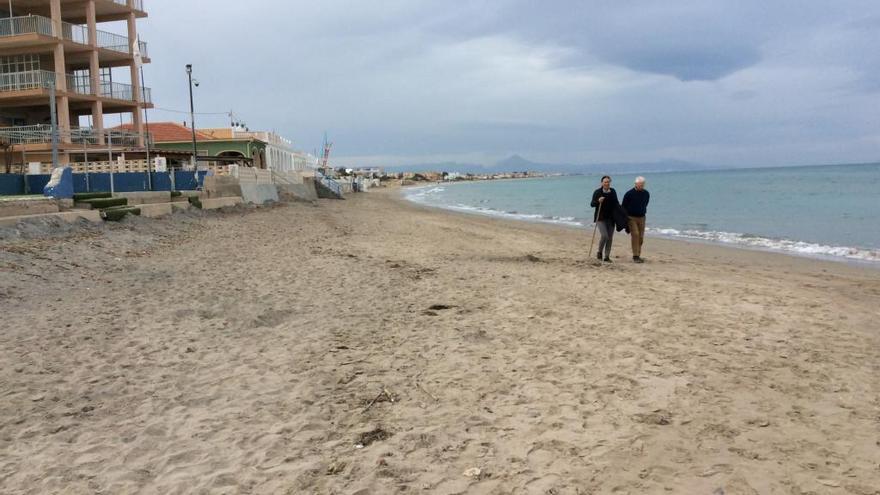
635	203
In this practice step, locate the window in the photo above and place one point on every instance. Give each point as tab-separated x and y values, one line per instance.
19	63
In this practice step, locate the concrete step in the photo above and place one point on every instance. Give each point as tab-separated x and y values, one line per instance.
28	205
214	203
67	216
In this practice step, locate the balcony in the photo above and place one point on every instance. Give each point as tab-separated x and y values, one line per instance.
31	24
76	33
120	44
42	134
76	84
120	91
137	4
24	81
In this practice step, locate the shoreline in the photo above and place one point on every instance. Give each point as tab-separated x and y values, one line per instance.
540	219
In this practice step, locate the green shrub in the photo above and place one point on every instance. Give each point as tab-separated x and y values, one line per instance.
175	194
91	195
195	201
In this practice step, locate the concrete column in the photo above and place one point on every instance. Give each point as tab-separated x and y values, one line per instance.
62	102
95	72
137	116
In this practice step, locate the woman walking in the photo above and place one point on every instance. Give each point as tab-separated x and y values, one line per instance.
605	202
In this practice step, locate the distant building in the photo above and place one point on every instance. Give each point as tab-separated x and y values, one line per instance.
226	145
279	153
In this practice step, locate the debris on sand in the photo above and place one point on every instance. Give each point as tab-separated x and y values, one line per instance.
375	435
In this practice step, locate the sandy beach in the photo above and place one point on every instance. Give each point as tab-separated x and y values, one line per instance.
373	346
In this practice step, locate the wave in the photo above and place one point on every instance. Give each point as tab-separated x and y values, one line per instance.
531	217
783	245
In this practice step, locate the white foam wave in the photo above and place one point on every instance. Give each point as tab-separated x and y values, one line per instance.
530	217
421	194
784	245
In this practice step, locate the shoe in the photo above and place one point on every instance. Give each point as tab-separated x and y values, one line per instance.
599	256
637	259
607	260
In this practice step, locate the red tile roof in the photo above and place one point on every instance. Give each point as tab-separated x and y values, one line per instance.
164	132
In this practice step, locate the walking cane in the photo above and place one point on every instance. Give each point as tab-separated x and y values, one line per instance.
595	226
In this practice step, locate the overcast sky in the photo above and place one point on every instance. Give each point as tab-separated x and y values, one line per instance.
756	82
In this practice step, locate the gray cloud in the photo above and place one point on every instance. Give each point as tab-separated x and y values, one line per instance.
716	81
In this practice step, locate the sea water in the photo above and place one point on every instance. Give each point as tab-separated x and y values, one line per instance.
823	211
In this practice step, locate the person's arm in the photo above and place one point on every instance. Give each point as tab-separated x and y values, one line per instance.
627	199
595	201
647	198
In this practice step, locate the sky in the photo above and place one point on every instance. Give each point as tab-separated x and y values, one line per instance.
398	82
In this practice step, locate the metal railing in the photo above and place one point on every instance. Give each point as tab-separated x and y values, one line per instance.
117	91
79	84
136	4
42	134
329	183
30	24
112	41
120	91
76	83
21	81
76	33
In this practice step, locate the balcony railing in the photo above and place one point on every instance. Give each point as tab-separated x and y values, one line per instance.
76	83
79	84
42	134
115	42
22	81
137	4
76	33
31	24
120	91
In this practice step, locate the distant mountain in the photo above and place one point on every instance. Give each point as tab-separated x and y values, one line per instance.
517	163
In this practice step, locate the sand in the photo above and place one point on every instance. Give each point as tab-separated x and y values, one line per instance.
374	346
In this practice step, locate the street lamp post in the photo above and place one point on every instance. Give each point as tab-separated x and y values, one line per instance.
192	116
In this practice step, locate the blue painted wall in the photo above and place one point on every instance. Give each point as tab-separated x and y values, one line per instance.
13	184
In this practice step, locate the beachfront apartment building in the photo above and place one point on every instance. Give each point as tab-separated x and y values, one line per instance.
53	50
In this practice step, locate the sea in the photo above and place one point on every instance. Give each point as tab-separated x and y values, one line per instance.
830	212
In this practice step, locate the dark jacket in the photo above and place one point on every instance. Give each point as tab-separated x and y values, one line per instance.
636	202
621	221
610	204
